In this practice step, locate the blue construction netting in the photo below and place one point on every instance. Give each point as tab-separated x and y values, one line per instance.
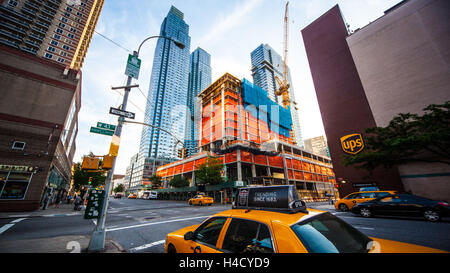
258	104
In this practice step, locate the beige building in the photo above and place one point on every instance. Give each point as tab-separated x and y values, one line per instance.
396	64
403	61
317	145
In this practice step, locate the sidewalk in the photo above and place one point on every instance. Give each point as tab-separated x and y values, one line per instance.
60	244
63	210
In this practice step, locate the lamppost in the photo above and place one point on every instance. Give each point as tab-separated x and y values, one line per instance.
97	242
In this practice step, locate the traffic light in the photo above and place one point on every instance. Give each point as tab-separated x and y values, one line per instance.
90	163
90	180
107	162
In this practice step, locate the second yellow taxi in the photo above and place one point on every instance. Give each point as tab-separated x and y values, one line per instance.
201	200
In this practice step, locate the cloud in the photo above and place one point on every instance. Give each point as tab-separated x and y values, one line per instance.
231	21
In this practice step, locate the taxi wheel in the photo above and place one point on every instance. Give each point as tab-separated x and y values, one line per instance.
343	207
200	203
431	215
365	212
190	203
171	249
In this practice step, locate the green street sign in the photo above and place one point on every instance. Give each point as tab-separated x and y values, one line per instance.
95	204
101	131
106	126
133	66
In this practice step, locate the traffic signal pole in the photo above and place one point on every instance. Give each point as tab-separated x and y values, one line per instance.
97	242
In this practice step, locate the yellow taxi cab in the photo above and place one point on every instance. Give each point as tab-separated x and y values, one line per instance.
201	200
347	203
132	196
273	219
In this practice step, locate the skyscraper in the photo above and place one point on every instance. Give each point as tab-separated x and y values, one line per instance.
266	64
199	79
167	96
57	30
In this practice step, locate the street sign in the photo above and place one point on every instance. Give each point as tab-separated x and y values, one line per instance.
101	131
106	126
95	204
133	66
121	113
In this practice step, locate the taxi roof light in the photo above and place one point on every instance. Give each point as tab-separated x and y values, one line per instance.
272	198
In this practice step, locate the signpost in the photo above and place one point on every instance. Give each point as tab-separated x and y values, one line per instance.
95	204
121	113
133	66
101	131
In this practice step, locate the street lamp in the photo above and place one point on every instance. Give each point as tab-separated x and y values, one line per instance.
97	242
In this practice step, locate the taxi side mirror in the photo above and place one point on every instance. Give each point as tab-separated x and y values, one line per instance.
189	236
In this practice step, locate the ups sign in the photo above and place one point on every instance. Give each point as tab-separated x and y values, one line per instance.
352	144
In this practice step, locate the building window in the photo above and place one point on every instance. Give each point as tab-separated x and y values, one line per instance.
53	42
66	47
14	184
48	56
52	49
18	145
61	60
12	3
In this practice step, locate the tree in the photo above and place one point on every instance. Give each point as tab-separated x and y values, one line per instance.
179	182
407	138
156	181
119	188
209	173
81	177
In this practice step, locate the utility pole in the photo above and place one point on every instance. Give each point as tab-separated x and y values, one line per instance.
97	242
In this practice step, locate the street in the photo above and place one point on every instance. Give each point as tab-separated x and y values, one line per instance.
140	226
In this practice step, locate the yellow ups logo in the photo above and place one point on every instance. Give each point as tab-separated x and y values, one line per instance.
352	144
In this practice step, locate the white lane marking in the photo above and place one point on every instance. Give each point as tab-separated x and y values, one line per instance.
5	228
147	246
156	223
358	227
8	226
95	221
18	220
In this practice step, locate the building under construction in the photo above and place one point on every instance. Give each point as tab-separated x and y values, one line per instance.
251	134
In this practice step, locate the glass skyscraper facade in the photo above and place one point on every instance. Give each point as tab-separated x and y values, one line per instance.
167	97
199	79
266	64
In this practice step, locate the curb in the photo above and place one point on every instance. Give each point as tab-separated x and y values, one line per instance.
37	216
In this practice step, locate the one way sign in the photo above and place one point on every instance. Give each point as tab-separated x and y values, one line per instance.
121	113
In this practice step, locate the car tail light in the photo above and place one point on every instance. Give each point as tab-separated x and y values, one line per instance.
443	204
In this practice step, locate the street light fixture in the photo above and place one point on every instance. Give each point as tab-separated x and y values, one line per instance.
97	242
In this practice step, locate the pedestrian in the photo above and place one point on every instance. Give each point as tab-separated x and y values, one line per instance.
77	201
58	200
46	201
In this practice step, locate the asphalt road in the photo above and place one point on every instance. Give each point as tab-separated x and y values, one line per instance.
142	225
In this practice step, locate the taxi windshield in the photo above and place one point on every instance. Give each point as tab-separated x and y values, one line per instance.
326	233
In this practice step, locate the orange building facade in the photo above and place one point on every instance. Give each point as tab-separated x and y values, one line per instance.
254	142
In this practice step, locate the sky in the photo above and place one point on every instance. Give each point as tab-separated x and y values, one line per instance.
229	30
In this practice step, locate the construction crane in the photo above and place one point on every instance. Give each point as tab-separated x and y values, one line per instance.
283	84
283	89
